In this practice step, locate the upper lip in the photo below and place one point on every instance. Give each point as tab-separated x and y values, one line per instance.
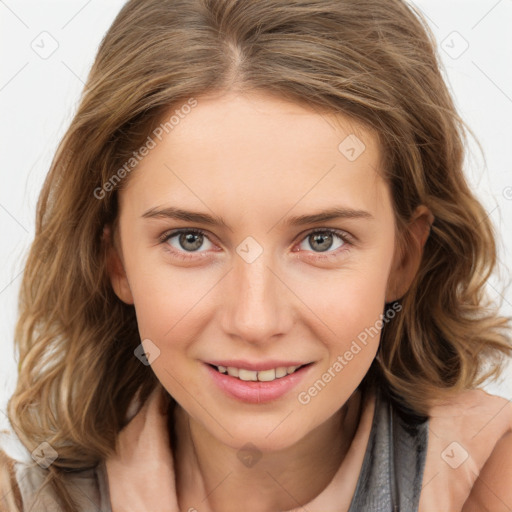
257	366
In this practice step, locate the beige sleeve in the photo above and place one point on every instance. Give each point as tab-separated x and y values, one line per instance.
87	488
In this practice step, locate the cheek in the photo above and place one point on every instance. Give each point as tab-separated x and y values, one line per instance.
351	303
354	319
352	309
166	298
360	310
170	313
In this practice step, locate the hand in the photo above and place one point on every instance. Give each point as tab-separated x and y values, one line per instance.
141	474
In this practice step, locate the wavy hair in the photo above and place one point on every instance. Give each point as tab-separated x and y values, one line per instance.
372	60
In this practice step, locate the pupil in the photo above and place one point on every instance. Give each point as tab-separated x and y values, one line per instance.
321	239
186	238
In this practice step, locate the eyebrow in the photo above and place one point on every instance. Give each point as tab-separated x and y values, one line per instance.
171	212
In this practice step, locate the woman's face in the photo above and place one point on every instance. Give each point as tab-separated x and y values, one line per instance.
287	243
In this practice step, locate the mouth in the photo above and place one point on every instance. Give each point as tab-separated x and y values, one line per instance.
268	375
257	385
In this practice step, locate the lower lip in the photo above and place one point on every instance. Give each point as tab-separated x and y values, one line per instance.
256	392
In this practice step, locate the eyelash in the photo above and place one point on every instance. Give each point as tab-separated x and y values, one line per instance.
348	242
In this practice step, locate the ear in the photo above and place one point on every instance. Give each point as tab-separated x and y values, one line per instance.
115	267
408	253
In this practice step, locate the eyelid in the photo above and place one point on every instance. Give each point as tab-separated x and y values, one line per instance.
170	233
344	235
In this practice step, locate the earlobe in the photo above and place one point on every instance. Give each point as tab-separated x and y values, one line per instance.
408	253
115	268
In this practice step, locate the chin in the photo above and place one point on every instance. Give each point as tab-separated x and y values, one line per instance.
270	435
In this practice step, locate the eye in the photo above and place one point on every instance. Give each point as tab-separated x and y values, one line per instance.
326	239
185	241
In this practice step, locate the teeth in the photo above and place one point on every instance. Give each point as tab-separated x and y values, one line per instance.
247	375
281	372
267	375
232	371
262	376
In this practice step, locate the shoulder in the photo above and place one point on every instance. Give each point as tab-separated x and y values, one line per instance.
473	413
463	436
492	490
475	419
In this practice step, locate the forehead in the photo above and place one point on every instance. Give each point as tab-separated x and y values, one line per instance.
256	121
258	150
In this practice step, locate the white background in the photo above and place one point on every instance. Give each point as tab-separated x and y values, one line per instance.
38	97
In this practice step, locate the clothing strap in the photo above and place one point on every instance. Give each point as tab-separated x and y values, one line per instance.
392	471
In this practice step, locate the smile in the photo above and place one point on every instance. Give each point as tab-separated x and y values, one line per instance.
257	386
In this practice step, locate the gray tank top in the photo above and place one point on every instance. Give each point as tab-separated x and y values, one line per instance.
390	479
392	472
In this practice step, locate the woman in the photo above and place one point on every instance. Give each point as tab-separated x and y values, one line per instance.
258	271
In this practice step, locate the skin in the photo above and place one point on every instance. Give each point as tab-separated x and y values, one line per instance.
491	492
255	161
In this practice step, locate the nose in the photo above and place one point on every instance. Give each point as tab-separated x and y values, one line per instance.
255	308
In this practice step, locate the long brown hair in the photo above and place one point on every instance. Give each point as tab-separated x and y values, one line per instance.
373	60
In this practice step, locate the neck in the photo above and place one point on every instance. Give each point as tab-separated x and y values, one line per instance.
211	478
